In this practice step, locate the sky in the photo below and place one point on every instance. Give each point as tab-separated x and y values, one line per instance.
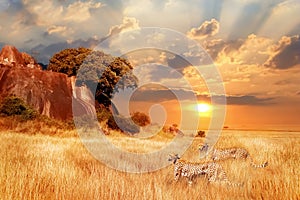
247	50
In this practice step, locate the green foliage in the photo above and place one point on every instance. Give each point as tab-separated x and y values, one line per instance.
102	73
140	118
68	61
12	105
106	75
123	124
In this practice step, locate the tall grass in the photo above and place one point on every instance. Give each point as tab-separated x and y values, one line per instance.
50	167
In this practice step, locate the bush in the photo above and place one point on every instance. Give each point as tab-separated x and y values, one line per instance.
14	106
200	134
140	119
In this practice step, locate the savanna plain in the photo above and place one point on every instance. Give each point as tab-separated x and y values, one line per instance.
45	162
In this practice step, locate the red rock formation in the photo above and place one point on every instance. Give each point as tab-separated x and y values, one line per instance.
10	56
49	93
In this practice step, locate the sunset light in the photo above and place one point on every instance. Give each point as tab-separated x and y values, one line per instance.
203	107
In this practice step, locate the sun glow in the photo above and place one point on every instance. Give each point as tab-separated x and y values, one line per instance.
203	107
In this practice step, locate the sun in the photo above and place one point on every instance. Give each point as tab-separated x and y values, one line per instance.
203	107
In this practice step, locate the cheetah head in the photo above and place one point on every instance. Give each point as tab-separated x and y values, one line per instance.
173	157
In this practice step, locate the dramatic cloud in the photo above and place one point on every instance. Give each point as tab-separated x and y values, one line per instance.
255	50
207	29
250	50
285	54
248	64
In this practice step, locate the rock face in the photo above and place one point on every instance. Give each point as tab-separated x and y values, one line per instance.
10	56
50	93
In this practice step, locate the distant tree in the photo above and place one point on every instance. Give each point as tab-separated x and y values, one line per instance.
200	134
68	61
140	118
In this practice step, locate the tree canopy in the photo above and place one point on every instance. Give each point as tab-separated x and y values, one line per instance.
140	118
98	70
68	61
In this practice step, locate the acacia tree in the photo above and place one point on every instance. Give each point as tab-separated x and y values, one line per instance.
98	70
107	74
68	61
140	118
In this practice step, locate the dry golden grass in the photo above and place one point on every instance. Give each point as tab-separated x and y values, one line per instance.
51	167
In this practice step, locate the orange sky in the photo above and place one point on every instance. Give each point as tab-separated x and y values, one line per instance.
280	117
253	45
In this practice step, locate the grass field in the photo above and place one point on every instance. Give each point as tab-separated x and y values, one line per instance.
55	167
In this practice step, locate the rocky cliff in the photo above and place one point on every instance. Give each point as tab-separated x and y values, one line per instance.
50	93
10	56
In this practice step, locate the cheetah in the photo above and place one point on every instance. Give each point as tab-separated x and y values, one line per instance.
213	171
235	153
178	164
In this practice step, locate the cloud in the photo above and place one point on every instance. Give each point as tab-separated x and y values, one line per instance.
178	62
80	11
56	29
281	20
285	54
248	100
51	13
129	23
250	50
256	50
207	29
239	100
162	94
159	93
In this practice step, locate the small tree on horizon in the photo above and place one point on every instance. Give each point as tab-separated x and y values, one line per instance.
140	118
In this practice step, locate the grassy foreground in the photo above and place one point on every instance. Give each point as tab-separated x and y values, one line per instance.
52	167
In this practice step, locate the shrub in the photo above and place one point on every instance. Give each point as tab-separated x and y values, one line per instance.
200	134
140	119
14	106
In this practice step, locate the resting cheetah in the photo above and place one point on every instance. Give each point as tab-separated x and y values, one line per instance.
236	153
213	171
